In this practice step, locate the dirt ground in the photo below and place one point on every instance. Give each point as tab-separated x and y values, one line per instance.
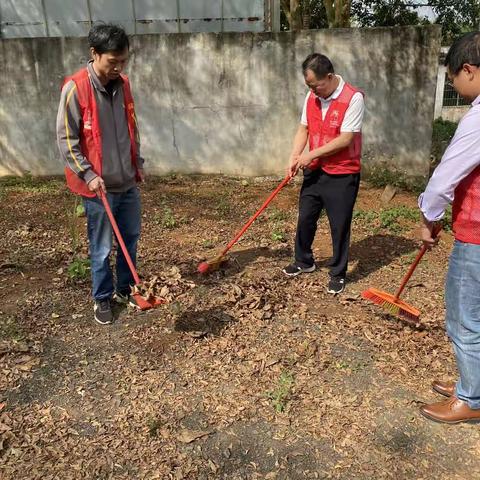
245	374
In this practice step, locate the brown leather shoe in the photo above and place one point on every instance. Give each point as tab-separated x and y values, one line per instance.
444	388
452	410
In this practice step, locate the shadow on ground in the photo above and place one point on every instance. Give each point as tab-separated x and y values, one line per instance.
377	251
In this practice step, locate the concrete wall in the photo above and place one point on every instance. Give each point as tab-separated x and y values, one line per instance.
228	103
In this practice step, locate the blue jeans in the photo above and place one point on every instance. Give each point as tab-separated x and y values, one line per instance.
462	297
126	209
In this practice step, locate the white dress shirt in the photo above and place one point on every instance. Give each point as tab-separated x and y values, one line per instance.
352	122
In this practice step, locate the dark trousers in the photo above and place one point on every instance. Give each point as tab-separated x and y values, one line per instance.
337	194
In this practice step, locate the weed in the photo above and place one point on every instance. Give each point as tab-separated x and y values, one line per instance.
447	219
277	215
29	183
443	131
380	176
351	366
79	268
279	397
10	329
279	235
223	207
76	212
342	365
168	220
153	425
366	216
389	218
207	244
79	210
176	308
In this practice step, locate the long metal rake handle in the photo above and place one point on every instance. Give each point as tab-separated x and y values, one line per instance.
119	237
413	266
256	214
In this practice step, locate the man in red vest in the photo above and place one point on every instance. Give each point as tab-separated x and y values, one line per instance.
457	180
331	123
98	140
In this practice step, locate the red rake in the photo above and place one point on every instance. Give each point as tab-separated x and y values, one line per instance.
142	302
214	264
392	303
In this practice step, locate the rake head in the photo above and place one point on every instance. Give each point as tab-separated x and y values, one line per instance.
211	265
391	304
147	303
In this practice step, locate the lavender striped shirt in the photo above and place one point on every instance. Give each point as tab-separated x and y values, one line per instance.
460	158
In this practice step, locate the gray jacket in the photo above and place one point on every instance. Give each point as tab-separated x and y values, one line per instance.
118	172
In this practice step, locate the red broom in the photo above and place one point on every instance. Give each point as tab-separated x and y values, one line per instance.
142	302
215	263
392	303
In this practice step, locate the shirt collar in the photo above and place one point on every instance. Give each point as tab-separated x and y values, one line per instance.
476	101
96	81
336	93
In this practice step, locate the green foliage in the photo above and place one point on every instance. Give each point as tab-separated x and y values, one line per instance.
80	210
28	183
207	243
277	215
367	216
443	131
384	13
389	218
223	206
280	396
380	176
278	235
153	425
10	329
456	17
79	268
393	219
447	219
313	13
168	220
73	224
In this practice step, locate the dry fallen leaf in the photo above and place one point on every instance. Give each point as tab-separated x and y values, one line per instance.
188	436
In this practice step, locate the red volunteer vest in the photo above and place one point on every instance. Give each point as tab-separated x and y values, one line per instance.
466	209
323	131
90	131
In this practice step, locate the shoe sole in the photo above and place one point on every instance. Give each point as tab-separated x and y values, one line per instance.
453	422
334	292
103	323
441	392
304	270
109	322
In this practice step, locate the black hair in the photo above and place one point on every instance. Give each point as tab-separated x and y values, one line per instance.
107	38
319	64
465	49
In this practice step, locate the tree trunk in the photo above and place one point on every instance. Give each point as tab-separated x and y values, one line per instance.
338	13
293	13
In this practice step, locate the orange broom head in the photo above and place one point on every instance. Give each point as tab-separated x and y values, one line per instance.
391	305
211	265
147	304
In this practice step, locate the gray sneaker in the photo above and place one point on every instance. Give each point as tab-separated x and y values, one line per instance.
103	311
336	285
122	299
293	270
